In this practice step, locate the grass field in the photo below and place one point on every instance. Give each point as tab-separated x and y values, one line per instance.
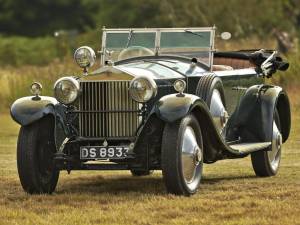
230	193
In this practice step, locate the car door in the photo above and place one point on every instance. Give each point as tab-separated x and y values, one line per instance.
247	78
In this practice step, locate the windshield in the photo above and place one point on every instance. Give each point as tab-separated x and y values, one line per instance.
120	44
124	45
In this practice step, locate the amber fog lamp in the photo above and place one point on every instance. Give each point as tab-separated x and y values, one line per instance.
66	90
179	86
36	88
85	57
142	89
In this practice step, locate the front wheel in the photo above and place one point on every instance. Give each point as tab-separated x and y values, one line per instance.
35	153
182	156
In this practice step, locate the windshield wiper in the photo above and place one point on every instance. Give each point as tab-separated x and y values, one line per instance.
192	32
129	38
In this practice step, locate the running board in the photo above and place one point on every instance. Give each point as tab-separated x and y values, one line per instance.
250	147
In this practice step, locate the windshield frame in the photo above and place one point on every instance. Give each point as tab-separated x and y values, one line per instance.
158	32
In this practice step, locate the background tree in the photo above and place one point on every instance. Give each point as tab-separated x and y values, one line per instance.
43	17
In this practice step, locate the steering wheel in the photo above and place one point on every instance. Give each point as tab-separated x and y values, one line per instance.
134	51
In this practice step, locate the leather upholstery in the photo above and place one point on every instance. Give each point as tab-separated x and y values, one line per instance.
233	62
221	67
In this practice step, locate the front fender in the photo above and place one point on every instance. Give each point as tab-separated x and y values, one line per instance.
29	109
175	106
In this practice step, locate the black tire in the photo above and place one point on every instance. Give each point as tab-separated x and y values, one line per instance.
260	160
205	87
171	159
35	153
139	173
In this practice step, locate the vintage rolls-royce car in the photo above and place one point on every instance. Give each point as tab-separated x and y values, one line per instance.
162	99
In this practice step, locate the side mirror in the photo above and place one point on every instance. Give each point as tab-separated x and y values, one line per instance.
225	35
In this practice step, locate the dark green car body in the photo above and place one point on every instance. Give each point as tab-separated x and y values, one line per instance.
227	96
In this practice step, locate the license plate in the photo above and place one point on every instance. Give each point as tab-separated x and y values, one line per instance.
103	152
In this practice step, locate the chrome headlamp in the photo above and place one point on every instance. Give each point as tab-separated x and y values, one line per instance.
142	89
66	90
85	57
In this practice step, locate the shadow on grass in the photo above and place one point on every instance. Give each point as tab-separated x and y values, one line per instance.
127	185
113	185
213	180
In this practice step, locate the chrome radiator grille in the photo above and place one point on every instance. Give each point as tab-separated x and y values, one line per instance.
107	110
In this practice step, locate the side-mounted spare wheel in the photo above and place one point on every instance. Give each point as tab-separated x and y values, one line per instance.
35	153
207	85
210	89
266	163
182	156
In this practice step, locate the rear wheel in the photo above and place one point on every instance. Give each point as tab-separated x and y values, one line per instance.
35	153
182	156
266	163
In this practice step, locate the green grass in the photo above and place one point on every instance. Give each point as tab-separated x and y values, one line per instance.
40	51
15	81
229	194
18	50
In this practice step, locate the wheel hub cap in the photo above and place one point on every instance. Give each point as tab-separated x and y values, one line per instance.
198	155
191	155
218	111
274	154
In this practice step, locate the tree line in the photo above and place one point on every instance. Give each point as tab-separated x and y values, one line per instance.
34	18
